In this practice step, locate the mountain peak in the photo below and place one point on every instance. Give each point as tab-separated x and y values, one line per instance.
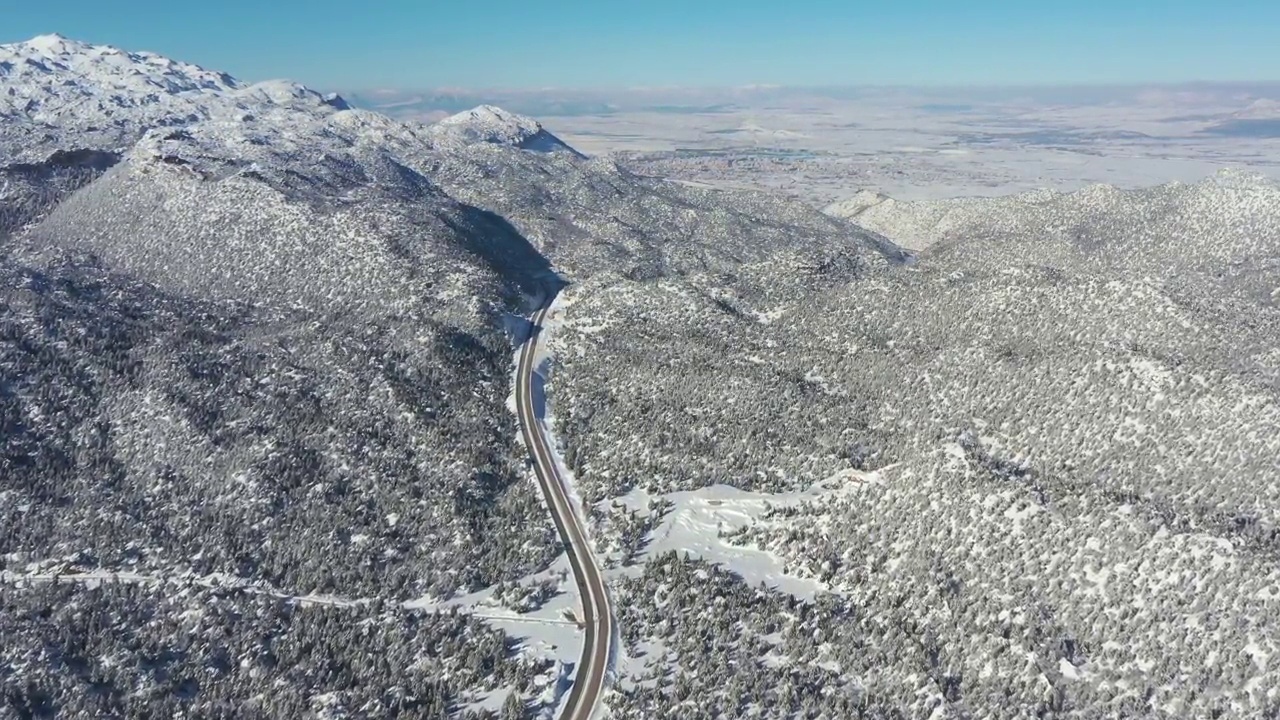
495	113
51	43
490	121
494	125
73	95
52	64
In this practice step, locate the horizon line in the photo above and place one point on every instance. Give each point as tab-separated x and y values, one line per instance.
1128	85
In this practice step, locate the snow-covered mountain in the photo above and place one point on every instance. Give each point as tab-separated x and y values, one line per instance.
291	341
489	124
61	94
50	73
252	333
173	119
1035	458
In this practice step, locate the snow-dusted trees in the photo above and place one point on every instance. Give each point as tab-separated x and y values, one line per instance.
165	434
124	649
29	190
1079	480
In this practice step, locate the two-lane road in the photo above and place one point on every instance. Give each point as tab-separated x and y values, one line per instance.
597	617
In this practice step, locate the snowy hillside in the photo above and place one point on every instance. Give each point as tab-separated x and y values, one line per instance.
592	217
1228	199
50	75
1071	408
256	373
253	334
288	346
1220	235
916	227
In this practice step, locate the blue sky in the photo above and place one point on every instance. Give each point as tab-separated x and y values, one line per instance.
613	43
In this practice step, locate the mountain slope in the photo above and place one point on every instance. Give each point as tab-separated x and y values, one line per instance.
592	217
1216	236
241	340
254	337
1015	473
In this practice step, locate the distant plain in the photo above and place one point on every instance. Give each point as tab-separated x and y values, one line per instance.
822	145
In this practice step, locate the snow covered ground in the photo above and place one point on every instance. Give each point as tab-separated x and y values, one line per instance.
700	524
700	520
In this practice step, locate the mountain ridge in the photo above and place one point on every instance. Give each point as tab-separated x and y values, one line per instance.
63	94
311	146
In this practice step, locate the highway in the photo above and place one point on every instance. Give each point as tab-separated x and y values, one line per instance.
597	617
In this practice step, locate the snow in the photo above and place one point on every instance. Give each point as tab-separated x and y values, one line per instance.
489	124
696	524
52	71
1068	670
94	578
769	316
62	94
545	633
700	518
490	701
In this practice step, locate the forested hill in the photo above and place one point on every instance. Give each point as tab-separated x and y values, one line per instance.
255	353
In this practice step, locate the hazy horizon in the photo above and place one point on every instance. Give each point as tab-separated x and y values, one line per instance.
1077	94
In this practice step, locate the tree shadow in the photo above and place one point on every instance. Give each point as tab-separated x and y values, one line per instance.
504	250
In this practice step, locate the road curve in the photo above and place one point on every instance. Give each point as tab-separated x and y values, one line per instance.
597	616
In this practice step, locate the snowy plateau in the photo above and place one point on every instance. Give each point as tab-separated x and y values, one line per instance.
1004	457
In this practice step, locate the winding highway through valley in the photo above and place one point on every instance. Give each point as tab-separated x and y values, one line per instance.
597	617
